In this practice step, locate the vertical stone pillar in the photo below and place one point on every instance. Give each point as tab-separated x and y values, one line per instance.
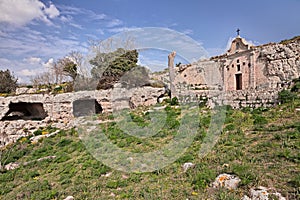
252	70
223	71
172	73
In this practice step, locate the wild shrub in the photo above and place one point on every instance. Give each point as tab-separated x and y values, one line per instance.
8	83
286	96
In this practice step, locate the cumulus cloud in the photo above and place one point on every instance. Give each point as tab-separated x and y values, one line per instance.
20	13
52	11
49	63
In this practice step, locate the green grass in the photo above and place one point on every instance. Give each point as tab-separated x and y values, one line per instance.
260	146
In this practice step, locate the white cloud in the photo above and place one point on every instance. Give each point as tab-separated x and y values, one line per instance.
66	19
166	39
114	22
27	72
76	26
20	69
33	60
100	31
52	11
20	13
91	37
152	63
49	63
121	29
95	16
188	32
70	10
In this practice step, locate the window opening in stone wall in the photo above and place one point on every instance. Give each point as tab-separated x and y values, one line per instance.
244	63
25	111
238	67
237	61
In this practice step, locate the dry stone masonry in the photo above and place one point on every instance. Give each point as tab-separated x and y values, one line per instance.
22	115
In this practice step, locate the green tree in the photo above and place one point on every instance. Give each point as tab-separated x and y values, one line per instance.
8	83
69	67
110	67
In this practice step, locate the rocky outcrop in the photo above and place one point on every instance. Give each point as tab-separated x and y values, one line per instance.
282	61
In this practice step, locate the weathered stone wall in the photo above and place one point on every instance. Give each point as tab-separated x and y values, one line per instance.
59	108
236	99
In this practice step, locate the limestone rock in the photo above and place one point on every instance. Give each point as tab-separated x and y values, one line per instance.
263	193
227	181
69	198
187	165
260	193
11	166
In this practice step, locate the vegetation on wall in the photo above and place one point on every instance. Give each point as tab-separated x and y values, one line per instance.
296	38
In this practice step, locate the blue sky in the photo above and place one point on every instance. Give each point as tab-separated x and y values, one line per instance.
35	33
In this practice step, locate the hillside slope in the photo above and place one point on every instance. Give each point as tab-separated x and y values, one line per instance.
260	146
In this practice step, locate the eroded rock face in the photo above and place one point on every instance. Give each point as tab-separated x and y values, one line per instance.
282	61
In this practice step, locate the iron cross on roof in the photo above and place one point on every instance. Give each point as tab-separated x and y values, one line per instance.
238	32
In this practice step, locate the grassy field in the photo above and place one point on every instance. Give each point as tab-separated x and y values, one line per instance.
261	146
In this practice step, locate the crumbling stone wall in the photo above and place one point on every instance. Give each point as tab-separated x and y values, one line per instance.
59	108
236	99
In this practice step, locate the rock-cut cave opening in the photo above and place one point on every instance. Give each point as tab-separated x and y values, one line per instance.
25	111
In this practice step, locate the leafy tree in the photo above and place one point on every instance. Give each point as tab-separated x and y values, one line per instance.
110	67
69	67
59	71
8	83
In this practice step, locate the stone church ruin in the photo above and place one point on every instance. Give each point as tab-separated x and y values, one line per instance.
245	76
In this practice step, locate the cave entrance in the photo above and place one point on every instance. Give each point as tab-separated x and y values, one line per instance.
86	107
25	111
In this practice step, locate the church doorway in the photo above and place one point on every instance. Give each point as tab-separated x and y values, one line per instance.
238	81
